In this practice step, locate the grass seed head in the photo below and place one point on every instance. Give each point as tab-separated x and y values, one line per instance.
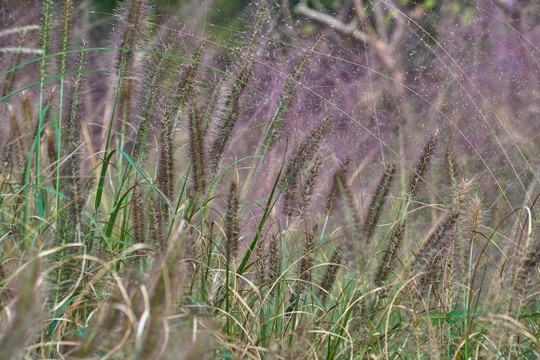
421	165
45	36
196	151
331	273
65	35
377	202
287	94
390	255
231	223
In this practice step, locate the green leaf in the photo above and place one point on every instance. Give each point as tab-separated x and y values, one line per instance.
530	316
80	333
101	182
435	316
454	316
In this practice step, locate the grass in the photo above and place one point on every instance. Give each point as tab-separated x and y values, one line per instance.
167	196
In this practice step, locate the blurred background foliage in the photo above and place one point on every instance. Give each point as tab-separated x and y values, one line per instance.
224	16
228	13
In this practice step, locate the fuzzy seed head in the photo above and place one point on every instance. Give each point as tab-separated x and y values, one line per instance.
231	223
422	164
377	203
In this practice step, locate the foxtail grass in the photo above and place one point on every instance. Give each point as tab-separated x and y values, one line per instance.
377	202
331	273
431	253
309	184
132	15
71	185
355	246
197	151
228	115
15	143
45	36
332	196
231	224
16	333
310	243
287	94
138	215
15	59
421	166
301	157
65	35
390	255
147	106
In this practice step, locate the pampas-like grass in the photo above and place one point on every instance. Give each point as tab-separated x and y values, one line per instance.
138	215
430	255
421	165
231	224
71	141
306	263
287	94
377	202
196	151
15	59
303	154
25	310
390	255
65	35
229	114
331	273
149	101
45	36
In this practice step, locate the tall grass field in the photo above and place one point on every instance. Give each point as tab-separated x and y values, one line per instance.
270	179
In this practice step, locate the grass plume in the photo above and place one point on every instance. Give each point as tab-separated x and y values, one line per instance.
231	224
390	255
228	115
421	165
287	94
149	101
301	157
377	202
197	151
331	273
45	36
71	142
429	255
65	35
